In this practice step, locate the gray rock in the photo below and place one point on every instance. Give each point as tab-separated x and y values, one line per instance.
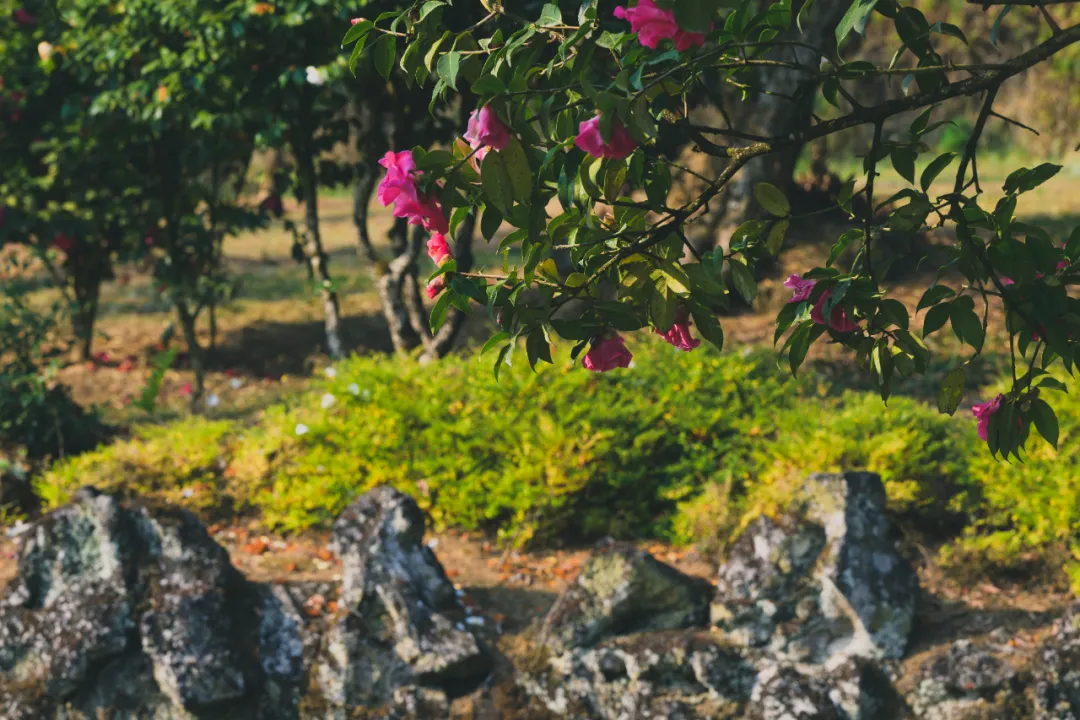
136	611
622	590
400	623
823	584
1057	674
673	674
782	693
970	681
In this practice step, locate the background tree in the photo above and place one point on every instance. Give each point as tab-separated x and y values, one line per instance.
580	105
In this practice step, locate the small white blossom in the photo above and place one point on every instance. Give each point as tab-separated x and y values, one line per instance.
328	401
330	372
315	75
212	400
301	429
354	389
236	383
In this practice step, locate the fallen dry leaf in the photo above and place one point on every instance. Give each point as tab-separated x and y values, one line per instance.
257	546
324	554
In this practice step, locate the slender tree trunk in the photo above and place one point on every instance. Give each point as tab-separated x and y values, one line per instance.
84	314
391	285
195	351
443	341
788	106
87	270
316	256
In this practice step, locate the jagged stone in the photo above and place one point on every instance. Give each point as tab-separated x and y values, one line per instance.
824	583
673	674
136	611
782	693
400	622
969	681
1057	675
622	590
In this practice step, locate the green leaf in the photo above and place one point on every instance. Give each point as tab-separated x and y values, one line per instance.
775	241
1052	384
496	182
842	243
935	319
708	325
488	85
448	67
537	348
663	307
743	279
772	199
934	169
677	279
614	179
658	185
892	312
357	31
496	339
438	312
934	295
965	323
855	19
997	24
1045	420
903	160
491	222
951	391
798	346
695	15
501	359
518	170
385	55
429	7
1025	180
550	15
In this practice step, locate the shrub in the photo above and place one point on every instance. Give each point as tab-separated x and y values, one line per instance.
633	459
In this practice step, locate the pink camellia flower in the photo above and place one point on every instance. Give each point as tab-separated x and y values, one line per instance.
679	334
23	17
1007	280
63	242
185	390
424	211
984	412
355	20
487	130
654	25
438	249
591	141
400	177
607	353
435	287
1062	265
839	320
800	289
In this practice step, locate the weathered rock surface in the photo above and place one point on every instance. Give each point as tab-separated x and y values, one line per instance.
824	583
665	674
970	681
400	622
620	591
1057	676
136	612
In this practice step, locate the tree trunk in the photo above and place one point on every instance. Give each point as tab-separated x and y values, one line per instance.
195	351
391	284
316	256
788	106
444	338
88	269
